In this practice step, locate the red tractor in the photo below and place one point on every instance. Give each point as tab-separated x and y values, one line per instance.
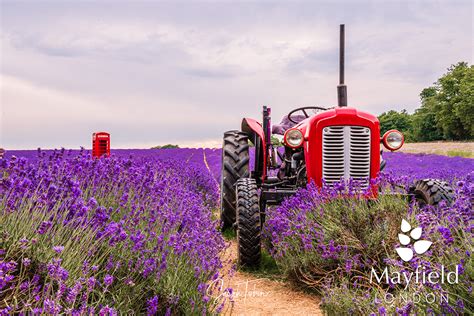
321	145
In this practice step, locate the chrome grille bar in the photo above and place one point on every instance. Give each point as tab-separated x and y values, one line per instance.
346	154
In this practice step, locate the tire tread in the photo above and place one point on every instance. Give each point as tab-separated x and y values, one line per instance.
432	191
235	165
248	223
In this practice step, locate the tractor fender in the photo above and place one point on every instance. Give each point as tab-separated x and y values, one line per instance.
256	134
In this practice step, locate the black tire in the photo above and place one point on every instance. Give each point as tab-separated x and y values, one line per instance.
235	165
431	192
248	223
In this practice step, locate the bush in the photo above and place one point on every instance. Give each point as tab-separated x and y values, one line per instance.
167	146
330	243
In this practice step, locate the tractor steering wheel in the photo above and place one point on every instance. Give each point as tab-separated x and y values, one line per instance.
303	109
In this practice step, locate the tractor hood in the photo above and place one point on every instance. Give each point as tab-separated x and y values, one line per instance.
312	129
337	116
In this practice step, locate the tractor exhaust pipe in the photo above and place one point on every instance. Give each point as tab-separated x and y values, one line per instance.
341	88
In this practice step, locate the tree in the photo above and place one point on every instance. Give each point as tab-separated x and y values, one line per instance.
424	125
396	120
454	102
446	112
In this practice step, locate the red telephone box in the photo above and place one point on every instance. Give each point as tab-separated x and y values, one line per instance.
100	144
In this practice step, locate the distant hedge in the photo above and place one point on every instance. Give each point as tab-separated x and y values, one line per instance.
167	146
446	112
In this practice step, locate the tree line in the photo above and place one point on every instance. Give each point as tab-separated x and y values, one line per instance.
446	111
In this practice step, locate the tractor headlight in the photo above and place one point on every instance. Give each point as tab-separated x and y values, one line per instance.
293	138
393	140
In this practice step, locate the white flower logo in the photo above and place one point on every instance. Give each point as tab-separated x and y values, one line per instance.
421	246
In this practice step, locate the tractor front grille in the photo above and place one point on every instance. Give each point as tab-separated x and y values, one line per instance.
346	154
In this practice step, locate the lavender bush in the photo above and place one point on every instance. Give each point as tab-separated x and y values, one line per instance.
107	236
330	240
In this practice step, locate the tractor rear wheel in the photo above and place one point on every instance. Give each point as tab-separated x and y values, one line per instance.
431	192
235	165
248	223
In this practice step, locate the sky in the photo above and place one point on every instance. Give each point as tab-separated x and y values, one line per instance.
153	73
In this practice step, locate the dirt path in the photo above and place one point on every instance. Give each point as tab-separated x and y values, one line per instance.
261	296
209	169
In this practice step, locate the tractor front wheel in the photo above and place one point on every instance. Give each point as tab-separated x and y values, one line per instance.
248	223
235	165
431	192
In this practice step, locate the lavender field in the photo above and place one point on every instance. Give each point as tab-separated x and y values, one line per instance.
137	233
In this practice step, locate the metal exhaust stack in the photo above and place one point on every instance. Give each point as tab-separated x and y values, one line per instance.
341	88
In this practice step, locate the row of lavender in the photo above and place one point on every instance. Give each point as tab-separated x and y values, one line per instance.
404	167
130	234
344	248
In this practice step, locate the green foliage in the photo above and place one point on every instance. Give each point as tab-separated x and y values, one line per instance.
395	120
276	142
424	128
455	102
167	146
229	234
446	112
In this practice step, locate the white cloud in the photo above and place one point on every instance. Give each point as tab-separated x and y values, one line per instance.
248	52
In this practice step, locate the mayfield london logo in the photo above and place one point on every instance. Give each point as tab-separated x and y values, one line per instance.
405	238
410	244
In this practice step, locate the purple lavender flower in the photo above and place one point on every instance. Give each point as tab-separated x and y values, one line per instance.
107	311
51	307
108	280
44	226
446	233
91	282
152	305
58	249
26	262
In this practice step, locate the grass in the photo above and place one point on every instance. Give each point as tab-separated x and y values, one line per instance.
229	234
460	153
455	153
268	268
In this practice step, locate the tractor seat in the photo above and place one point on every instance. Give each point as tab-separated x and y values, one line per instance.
286	124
